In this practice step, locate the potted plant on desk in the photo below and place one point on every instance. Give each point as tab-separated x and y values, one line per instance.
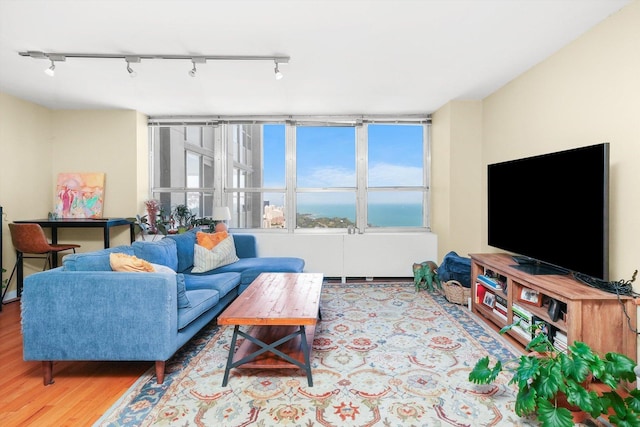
182	217
153	223
546	374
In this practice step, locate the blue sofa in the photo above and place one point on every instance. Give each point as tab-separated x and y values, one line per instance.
85	311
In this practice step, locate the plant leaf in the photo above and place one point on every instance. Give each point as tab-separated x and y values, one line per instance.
549	381
482	373
525	401
527	371
577	395
633	401
550	416
575	367
620	366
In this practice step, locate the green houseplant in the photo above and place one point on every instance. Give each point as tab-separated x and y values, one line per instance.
182	218
546	374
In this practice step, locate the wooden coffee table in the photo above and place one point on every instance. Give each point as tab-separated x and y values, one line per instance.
283	310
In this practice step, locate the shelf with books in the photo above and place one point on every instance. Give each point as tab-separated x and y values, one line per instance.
571	311
486	300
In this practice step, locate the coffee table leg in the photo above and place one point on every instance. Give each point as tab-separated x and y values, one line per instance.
232	348
305	352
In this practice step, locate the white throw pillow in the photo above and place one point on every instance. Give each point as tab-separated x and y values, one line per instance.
223	253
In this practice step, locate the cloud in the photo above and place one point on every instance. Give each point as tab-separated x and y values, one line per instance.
330	176
380	175
387	174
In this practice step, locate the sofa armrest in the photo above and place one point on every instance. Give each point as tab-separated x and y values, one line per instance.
99	315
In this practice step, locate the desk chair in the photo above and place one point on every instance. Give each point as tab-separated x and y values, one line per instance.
30	239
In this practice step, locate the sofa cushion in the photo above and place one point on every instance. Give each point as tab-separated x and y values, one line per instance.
201	301
163	252
124	262
223	253
184	244
223	282
264	264
210	240
93	261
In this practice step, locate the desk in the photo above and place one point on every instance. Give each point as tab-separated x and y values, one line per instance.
54	224
104	223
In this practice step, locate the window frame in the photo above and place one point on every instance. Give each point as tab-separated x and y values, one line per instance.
224	165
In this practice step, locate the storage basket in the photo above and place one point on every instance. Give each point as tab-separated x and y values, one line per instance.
455	292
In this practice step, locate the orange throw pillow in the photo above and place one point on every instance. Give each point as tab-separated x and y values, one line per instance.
124	262
210	240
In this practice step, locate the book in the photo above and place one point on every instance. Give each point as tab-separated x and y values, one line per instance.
480	291
488	281
523	324
501	300
500	314
524	334
522	312
560	336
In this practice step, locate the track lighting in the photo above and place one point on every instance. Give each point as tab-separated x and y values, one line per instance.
130	60
194	61
135	58
51	71
276	70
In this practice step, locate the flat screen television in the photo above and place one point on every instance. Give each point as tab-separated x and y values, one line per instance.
552	211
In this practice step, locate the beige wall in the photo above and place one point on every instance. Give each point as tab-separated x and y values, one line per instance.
38	143
586	93
25	174
102	141
456	171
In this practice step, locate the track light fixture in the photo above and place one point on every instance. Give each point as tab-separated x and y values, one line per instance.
276	70
51	71
194	61
135	58
130	60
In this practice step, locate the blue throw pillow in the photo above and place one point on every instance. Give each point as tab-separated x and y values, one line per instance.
163	252
183	300
184	244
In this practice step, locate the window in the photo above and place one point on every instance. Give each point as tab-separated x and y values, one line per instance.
285	175
182	171
325	177
396	179
256	188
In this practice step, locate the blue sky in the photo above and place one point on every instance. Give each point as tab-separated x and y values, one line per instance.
326	156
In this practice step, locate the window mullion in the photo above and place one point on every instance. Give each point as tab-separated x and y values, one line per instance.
290	176
361	177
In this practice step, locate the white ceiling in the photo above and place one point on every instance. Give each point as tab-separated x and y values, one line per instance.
347	56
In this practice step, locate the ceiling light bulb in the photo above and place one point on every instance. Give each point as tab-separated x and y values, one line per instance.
279	75
131	71
192	72
51	70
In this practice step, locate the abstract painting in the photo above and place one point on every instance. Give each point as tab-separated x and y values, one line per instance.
79	195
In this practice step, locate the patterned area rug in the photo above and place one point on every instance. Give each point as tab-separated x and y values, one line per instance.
383	355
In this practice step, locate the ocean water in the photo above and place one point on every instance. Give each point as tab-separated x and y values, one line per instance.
379	215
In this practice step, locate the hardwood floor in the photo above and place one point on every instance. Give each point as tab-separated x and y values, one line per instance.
81	394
